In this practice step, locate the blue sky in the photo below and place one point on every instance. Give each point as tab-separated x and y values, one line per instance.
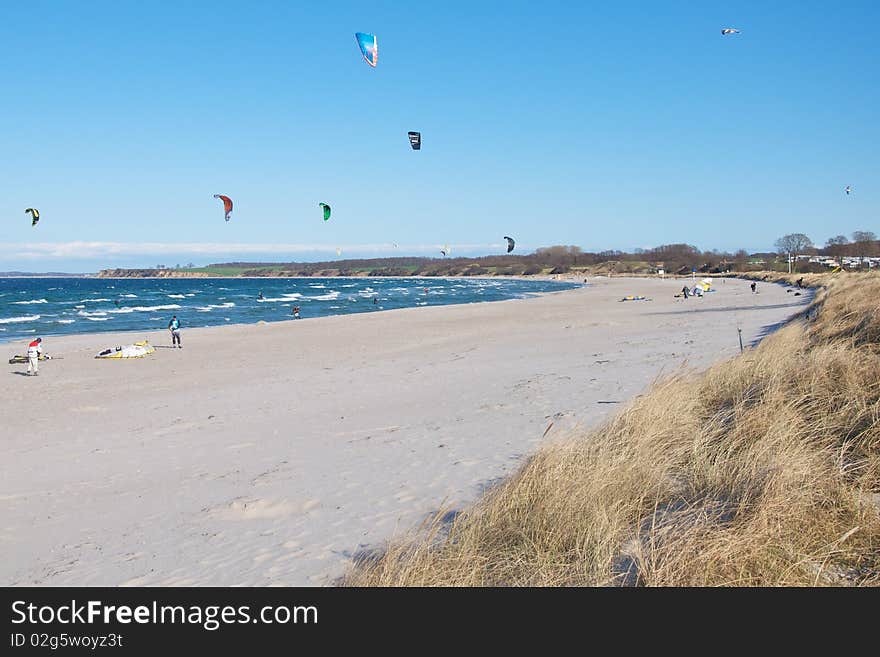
607	125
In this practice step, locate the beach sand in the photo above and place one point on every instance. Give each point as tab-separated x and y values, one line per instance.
270	454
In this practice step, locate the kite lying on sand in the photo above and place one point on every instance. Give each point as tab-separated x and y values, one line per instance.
136	350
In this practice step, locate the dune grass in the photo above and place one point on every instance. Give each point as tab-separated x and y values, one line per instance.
762	471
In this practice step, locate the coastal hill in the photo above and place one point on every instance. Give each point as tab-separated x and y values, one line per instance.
671	259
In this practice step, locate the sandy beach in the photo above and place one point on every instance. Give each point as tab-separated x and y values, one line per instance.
269	454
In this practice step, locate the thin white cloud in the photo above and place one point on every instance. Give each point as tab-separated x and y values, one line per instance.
91	250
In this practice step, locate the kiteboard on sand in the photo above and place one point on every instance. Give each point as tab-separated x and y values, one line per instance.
19	359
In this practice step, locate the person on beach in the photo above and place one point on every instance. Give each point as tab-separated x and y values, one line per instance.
174	327
296	312
35	350
375	300
754	286
800	282
685	292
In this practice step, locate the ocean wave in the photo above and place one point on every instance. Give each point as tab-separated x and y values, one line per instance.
130	296
24	303
92	300
330	296
177	296
16	320
209	308
98	319
65	321
100	313
293	296
144	309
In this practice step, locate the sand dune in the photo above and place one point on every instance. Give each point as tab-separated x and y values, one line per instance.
270	454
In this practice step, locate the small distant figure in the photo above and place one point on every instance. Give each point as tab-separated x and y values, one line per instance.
260	296
426	290
375	300
35	350
685	292
174	327
800	282
848	190
754	287
116	302
296	312
729	30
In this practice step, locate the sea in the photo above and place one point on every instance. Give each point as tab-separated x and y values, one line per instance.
63	306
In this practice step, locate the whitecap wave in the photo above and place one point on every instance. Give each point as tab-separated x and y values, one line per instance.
330	296
293	296
24	303
209	308
16	320
144	309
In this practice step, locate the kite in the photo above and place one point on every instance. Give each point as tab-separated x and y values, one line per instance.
35	215
847	190
326	209
369	47
446	250
415	140
729	30
227	204
338	251
510	243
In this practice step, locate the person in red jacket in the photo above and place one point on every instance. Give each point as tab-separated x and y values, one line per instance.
35	350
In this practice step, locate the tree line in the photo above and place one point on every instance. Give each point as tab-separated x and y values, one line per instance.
679	258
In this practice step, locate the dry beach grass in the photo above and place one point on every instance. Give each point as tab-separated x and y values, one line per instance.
763	470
